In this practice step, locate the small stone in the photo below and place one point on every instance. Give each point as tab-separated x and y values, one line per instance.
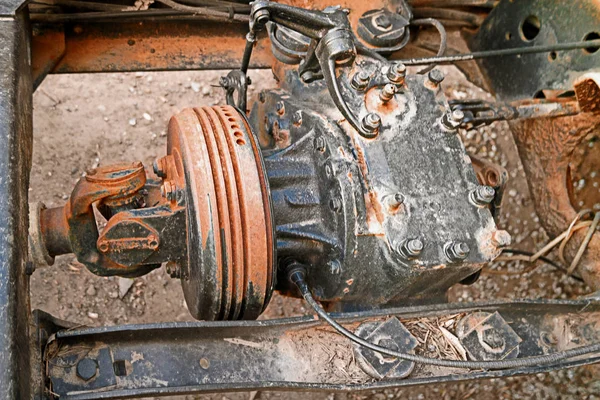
124	285
206	90
91	291
132	122
195	86
92	315
147	117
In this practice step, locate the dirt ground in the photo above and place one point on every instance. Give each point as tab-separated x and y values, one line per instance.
83	121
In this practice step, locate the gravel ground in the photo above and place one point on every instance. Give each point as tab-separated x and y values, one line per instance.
85	121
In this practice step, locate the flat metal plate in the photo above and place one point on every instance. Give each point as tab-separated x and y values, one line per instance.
510	23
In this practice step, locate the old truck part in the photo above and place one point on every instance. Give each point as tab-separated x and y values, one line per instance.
348	186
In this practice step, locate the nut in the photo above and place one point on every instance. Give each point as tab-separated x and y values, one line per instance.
320	144
452	119
397	73
411	248
371	123
360	80
483	195
456	251
435	77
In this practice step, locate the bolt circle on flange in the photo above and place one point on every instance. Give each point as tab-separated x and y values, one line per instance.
371	123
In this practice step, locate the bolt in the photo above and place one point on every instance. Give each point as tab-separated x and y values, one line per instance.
153	242
483	195
360	80
173	269
371	123
280	107
397	73
399	198
297	118
501	238
261	17
335	268
457	251
86	369
29	267
335	204
452	119
382	21
411	248
330	170
159	167
167	190
320	144
394	201
387	93
435	77
103	246
307	76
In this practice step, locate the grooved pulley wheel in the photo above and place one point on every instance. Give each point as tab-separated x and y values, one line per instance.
230	236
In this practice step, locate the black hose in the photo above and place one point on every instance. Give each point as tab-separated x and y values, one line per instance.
296	276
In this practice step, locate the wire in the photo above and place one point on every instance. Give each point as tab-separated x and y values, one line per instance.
586	44
296	275
145	14
209	12
443	39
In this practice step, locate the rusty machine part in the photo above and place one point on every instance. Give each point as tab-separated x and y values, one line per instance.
348	186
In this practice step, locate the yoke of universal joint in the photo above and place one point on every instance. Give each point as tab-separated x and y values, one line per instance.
145	221
331	44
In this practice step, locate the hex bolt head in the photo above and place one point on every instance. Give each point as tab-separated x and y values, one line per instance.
87	369
396	73
435	77
457	251
453	119
297	118
320	144
280	107
501	239
371	123
335	204
411	248
159	167
387	93
383	22
483	195
360	80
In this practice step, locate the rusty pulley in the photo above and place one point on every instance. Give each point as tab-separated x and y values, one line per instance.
229	227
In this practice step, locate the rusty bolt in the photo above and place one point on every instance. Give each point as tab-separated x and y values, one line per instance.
320	144
280	107
435	77
411	248
103	246
297	118
397	73
371	123
360	80
452	119
159	167
394	201
167	190
382	21
457	251
483	195
387	93
501	239
87	369
173	269
153	242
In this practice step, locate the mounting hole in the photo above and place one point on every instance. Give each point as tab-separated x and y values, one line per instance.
241	142
552	56
592	36
120	368
530	27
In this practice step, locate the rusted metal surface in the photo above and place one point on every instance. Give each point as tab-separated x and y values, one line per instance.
47	48
230	240
548	150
